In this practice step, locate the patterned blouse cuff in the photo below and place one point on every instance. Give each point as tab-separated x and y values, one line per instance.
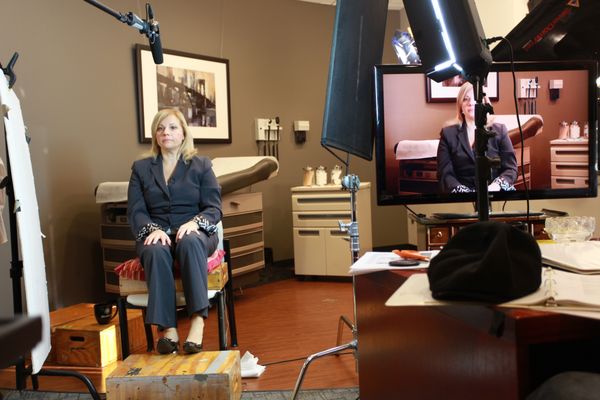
504	184
205	225
461	189
146	230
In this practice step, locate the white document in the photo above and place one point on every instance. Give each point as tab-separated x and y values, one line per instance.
250	367
373	261
580	257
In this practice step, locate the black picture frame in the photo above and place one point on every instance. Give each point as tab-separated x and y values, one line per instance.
197	85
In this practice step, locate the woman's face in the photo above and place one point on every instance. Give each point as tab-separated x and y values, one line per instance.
169	134
468	106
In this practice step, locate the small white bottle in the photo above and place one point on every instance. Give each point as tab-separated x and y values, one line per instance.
574	130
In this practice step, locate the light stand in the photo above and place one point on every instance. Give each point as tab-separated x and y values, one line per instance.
483	163
16	271
352	184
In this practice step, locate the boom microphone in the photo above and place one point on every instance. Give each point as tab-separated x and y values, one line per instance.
151	29
153	33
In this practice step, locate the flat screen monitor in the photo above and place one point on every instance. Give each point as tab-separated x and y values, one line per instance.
557	111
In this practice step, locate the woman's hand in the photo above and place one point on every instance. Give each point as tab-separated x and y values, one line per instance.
186	229
157	236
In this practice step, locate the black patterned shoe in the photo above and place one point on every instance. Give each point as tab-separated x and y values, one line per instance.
191	347
167	346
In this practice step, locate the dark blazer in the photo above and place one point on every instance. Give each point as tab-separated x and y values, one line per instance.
456	158
192	190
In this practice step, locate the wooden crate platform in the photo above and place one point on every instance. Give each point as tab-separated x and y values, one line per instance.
214	375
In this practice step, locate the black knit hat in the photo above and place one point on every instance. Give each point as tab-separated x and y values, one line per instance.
491	262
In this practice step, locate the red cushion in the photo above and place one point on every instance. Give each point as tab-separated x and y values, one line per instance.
132	269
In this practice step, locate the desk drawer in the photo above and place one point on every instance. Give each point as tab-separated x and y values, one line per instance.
438	235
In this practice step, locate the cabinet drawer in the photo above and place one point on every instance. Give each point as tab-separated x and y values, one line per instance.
568	182
247	262
324	218
310	256
438	235
575	153
569	169
116	236
241	203
321	202
245	240
242	222
118	255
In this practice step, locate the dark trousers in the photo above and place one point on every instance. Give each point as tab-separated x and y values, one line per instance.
191	253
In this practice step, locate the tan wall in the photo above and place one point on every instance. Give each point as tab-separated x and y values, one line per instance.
77	85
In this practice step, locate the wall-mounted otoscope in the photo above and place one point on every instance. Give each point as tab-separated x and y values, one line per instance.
148	26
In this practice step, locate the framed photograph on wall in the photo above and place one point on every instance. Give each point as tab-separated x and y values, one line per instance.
196	85
446	91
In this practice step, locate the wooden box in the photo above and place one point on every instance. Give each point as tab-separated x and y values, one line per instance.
83	342
213	375
63	316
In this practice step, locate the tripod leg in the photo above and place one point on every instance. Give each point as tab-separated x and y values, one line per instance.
343	321
334	350
86	381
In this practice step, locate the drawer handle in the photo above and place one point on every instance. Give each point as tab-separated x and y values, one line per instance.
439	235
235	203
305	232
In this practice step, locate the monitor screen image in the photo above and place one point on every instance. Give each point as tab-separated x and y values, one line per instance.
421	157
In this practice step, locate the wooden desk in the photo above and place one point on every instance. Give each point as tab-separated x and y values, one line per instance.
448	352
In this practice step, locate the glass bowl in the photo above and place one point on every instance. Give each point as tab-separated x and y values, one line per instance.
570	229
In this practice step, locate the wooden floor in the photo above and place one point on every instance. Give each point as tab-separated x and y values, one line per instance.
281	323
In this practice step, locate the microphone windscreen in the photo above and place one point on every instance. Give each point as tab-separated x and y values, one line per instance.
156	48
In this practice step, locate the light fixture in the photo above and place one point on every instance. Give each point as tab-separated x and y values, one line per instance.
449	37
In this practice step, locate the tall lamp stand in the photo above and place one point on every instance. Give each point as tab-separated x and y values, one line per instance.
483	163
352	184
16	271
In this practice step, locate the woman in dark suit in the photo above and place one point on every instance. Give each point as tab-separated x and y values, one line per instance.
174	204
456	156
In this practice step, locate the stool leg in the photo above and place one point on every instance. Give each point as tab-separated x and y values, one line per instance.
228	293
221	315
149	334
122	306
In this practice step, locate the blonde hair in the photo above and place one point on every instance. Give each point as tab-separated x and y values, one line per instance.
462	92
186	149
459	119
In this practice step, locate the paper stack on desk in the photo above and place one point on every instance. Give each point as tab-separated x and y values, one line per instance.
579	257
373	261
